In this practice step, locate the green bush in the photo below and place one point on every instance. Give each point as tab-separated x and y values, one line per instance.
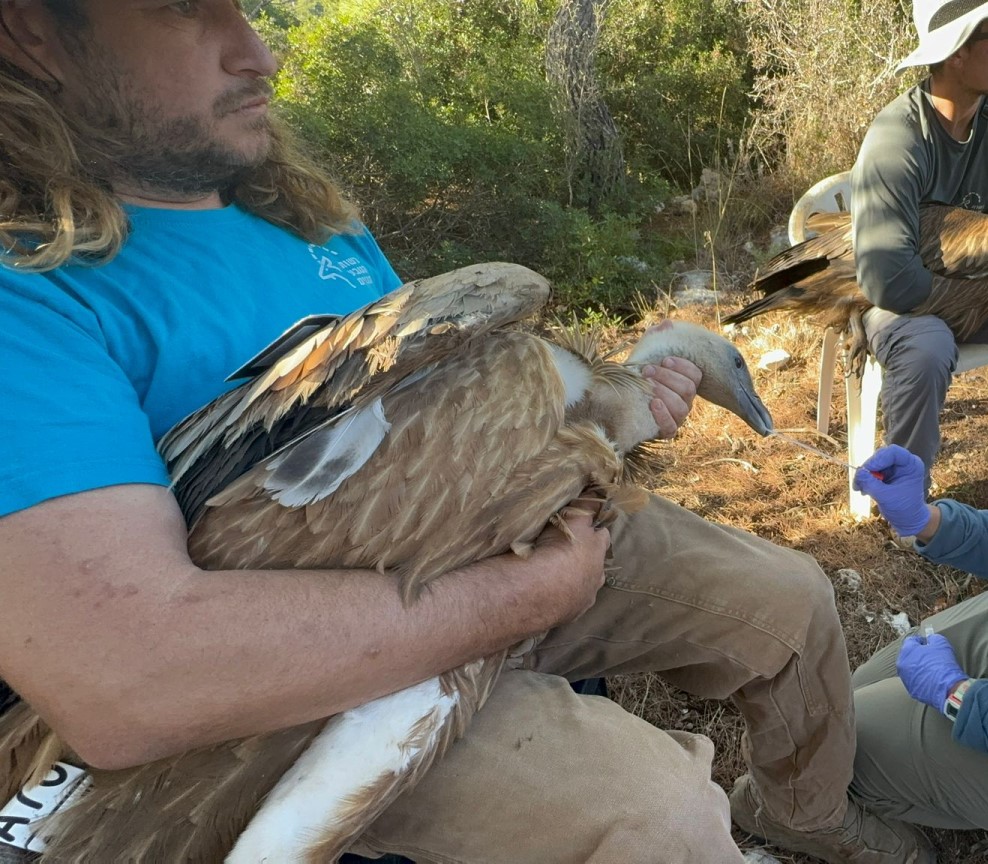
436	152
678	80
437	118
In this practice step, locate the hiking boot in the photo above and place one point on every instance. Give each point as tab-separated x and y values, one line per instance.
864	838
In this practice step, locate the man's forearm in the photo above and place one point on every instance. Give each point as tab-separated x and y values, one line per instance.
211	662
132	653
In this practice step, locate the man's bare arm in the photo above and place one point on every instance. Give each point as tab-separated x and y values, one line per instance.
132	653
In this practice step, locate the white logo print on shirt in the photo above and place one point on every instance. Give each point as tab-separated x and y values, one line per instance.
333	266
972	201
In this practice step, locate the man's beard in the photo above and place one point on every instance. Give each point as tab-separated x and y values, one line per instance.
176	156
125	141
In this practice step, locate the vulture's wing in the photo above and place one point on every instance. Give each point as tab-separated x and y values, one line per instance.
818	276
819	223
466	456
962	304
806	258
808	277
189	808
448	466
344	364
954	246
953	241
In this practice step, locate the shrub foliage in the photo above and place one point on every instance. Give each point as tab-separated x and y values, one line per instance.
452	125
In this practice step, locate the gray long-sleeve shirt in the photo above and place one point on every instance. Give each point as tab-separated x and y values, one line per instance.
906	159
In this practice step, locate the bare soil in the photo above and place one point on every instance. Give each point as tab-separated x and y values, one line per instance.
719	468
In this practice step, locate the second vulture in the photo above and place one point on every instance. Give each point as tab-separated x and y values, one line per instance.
818	277
412	437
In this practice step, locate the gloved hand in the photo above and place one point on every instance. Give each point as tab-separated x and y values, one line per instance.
901	493
929	669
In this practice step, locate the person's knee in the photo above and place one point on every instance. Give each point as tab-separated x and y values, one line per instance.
681	798
923	349
807	581
790	575
884	723
791	606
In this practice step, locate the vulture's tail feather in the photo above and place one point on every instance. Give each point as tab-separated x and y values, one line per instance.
189	808
776	280
776	300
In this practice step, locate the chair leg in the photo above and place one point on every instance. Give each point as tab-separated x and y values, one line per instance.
862	417
825	391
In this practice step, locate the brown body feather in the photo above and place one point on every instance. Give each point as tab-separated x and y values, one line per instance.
818	278
478	456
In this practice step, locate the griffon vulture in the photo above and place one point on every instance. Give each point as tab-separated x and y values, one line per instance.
817	277
413	436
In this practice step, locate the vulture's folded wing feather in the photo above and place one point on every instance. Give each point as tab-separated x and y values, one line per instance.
953	241
190	808
433	494
347	361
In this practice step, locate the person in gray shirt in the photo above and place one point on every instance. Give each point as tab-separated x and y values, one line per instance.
929	144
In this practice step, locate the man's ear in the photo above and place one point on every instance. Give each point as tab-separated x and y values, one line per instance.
28	39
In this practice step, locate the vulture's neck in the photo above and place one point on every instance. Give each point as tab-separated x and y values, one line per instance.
614	397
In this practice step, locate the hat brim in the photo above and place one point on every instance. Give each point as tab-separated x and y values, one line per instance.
944	41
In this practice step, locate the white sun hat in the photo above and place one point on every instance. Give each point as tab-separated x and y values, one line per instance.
943	26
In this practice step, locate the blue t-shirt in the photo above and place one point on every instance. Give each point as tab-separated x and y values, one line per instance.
97	363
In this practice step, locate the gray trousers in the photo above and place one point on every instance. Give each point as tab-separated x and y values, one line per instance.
918	355
907	765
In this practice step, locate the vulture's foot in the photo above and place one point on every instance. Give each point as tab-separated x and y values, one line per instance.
856	346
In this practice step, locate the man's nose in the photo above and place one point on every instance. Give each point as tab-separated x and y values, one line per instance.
248	54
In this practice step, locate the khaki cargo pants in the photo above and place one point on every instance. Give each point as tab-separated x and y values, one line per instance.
545	776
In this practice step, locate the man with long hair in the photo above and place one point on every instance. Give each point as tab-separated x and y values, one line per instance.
157	227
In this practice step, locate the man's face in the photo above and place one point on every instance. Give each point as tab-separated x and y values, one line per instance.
974	60
180	89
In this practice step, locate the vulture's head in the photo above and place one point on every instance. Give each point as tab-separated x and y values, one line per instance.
726	380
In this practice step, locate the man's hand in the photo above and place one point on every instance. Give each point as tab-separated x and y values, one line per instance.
899	492
674	385
572	566
929	669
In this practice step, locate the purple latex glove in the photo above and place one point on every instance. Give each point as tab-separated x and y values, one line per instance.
901	490
929	669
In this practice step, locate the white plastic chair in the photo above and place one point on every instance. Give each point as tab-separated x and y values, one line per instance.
833	195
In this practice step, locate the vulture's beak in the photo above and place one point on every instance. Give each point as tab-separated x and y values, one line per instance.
753	411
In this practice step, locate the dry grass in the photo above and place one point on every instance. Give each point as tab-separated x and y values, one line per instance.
823	69
717	467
